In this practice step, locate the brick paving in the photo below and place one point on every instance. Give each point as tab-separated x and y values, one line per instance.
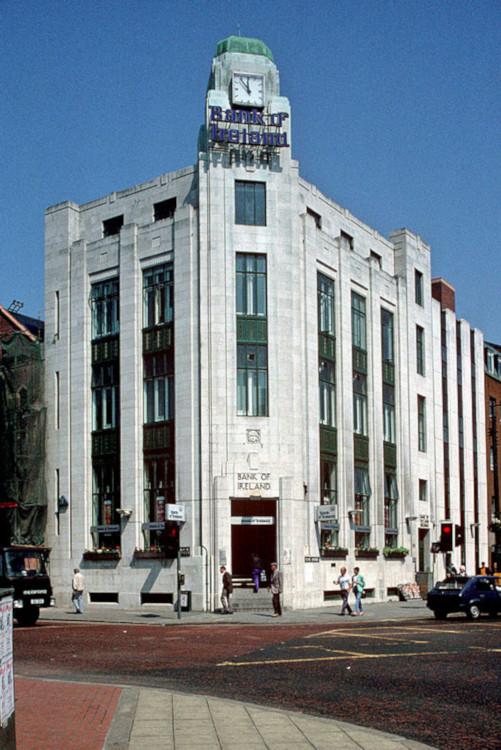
63	715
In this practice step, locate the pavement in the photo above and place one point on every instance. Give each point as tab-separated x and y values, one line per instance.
53	714
56	715
162	614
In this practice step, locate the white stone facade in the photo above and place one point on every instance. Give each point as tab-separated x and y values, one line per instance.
221	456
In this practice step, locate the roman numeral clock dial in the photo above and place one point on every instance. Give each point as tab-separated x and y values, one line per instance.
248	90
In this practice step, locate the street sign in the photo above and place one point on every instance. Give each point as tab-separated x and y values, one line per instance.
175	512
311	559
110	528
185	551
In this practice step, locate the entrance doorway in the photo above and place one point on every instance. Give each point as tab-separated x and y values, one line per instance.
424	551
253	531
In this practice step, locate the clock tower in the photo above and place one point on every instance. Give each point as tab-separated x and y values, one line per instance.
246	118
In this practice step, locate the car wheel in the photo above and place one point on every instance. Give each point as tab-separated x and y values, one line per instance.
440	615
473	612
27	617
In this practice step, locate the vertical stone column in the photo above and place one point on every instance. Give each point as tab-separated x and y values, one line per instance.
130	392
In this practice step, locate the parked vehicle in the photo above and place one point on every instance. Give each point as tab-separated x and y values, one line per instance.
24	569
473	596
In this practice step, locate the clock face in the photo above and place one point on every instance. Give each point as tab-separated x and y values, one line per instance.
248	89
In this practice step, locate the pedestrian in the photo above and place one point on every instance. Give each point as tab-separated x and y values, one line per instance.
227	591
257	568
462	571
345	585
484	570
276	586
358	586
78	588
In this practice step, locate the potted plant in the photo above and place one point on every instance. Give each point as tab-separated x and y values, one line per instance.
367	553
395	552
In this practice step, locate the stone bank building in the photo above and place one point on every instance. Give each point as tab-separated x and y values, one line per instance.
227	340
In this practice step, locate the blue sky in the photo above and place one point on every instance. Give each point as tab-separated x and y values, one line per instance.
396	115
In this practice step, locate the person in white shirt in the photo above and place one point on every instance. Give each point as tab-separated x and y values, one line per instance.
78	587
344	582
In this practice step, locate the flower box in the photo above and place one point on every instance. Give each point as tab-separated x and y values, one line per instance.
149	554
396	555
334	553
366	554
101	555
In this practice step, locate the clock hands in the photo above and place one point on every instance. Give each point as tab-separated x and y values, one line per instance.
245	85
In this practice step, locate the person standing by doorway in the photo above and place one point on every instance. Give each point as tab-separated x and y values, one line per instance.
345	585
226	591
358	586
257	568
78	588
276	586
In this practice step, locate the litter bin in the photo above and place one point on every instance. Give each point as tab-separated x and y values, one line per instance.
185	601
7	712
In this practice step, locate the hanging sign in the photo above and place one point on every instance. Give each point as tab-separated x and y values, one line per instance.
175	512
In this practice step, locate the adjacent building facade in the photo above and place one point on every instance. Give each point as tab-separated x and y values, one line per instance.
493	439
228	340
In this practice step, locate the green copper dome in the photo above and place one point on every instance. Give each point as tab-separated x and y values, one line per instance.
244	44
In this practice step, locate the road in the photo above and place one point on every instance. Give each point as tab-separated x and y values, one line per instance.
437	682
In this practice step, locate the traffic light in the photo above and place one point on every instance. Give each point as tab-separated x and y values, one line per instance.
458	535
446	536
171	540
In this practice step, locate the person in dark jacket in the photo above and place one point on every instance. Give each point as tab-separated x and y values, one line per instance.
257	567
227	591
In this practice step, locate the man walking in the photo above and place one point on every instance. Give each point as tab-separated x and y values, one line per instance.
227	591
276	586
345	585
78	587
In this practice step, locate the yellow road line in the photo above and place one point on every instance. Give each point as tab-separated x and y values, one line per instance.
351	634
488	650
346	655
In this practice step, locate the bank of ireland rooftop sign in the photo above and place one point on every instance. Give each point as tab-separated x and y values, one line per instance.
242	127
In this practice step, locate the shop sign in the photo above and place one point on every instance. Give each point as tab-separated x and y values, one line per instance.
326	513
154	526
106	528
252	520
310	559
247	127
175	512
253	481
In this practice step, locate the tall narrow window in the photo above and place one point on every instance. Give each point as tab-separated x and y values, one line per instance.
360	426
57	495
418	287
327	393
423	490
420	350
158	388
390	510
388	414
329	528
56	315
251	284
252	380
361	513
421	404
250	203
158	296
57	401
105	501
252	345
358	321
387	336
325	305
104	307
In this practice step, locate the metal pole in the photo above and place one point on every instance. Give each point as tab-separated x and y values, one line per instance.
179	584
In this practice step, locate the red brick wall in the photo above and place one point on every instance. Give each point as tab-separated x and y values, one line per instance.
444	293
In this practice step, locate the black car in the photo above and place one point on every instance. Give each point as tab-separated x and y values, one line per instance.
469	595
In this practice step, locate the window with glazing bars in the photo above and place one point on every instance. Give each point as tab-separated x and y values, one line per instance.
358	322
420	350
251	284
158	295
104	308
250	203
252	380
421	407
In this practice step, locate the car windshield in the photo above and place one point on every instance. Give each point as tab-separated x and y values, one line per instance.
455	582
21	563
